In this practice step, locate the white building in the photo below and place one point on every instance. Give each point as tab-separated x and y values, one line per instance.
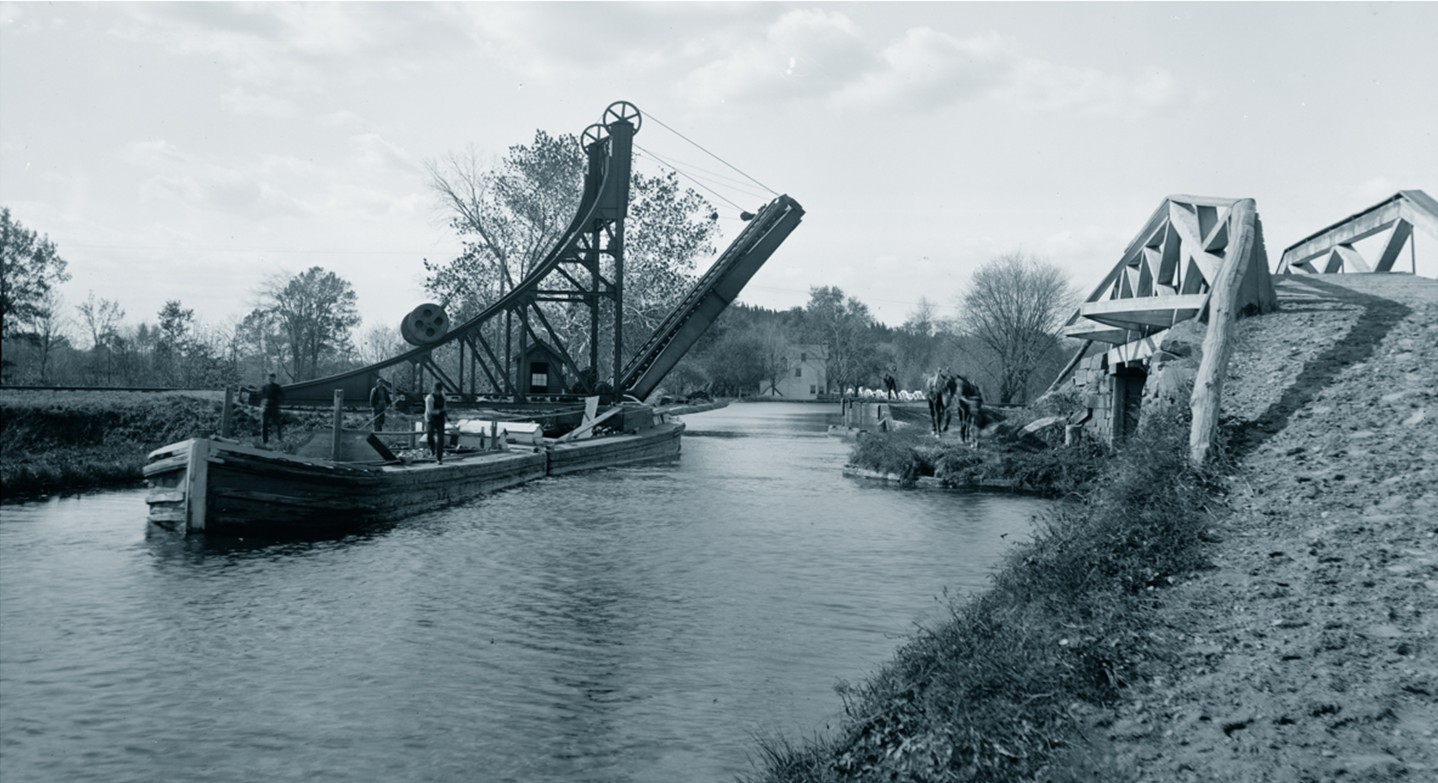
803	377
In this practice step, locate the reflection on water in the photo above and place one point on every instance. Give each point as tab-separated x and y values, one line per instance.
628	625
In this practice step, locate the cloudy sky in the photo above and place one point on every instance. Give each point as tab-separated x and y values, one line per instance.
188	151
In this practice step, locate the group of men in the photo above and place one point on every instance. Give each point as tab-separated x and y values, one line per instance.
272	396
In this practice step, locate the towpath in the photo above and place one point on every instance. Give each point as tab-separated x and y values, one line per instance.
1309	652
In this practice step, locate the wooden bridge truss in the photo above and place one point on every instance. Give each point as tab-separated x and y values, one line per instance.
1166	275
1332	250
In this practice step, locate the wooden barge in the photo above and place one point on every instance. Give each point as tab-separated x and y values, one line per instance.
214	485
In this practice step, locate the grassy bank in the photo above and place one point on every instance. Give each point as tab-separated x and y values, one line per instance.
67	441
990	694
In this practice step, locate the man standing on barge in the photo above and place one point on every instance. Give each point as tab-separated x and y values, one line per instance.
379	401
271	395
434	422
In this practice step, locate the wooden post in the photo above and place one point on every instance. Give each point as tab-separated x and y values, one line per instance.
1217	343
197	485
227	411
338	424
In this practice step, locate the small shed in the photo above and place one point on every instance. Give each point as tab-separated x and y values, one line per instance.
543	370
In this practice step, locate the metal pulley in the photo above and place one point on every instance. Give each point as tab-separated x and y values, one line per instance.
425	325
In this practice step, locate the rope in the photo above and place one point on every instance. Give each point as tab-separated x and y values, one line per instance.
710	154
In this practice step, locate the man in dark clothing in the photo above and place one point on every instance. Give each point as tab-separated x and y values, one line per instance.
434	422
379	403
271	395
890	386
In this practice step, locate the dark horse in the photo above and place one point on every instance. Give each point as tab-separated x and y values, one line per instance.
971	410
945	391
939	389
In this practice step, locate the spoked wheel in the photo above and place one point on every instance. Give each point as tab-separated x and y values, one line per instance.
592	135
623	111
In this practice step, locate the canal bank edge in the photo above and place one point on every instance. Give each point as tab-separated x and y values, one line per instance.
1304	650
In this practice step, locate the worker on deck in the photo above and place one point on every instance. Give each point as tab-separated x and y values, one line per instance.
434	422
271	396
379	401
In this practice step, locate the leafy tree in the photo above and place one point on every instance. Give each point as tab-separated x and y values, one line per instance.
29	267
843	324
733	364
314	313
512	213
173	342
1014	309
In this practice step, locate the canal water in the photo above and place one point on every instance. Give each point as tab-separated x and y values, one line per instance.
638	624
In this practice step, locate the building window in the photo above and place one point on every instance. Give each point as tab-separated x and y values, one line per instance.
803	357
538	377
813	389
798	372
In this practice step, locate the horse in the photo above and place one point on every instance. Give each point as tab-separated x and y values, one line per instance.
940	390
971	410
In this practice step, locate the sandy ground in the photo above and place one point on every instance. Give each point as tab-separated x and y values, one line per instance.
1309	652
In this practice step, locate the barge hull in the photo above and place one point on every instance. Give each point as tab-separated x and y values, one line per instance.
216	486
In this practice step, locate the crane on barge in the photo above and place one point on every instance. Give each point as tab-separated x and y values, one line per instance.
585	268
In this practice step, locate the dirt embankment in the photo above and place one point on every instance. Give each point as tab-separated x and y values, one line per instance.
1309	652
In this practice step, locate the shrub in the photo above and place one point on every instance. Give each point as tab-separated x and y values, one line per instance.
902	453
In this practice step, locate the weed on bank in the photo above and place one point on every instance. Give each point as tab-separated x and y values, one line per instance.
989	694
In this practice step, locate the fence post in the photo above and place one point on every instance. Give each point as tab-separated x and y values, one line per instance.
227	411
339	421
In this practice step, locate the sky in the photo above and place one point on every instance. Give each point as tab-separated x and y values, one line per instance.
193	151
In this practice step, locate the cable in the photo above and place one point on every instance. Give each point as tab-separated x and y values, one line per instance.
676	163
716	193
712	155
725	181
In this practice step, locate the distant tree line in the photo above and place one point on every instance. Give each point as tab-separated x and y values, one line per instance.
301	329
1004	334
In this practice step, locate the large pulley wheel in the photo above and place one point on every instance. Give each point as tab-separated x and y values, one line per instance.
623	111
425	325
593	135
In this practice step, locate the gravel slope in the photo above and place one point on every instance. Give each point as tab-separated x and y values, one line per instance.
1310	651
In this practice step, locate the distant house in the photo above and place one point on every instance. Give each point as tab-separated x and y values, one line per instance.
803	377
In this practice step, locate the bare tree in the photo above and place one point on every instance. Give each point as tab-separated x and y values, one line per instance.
102	319
1015	308
381	342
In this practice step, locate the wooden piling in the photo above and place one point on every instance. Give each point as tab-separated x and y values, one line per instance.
227	412
1218	343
